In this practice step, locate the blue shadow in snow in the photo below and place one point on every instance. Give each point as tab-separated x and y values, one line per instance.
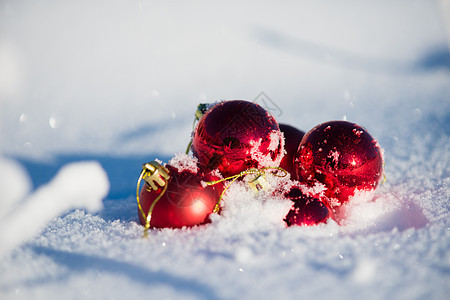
437	57
82	263
123	172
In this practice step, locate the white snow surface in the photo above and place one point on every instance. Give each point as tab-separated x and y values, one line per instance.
118	82
77	185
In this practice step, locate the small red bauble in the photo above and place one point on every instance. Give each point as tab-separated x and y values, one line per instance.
341	155
237	135
186	202
292	138
307	210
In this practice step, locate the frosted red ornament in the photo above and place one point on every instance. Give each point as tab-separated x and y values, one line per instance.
342	156
307	210
237	135
292	138
185	200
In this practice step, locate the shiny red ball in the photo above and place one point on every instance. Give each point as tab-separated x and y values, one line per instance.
292	138
237	135
307	210
341	155
186	202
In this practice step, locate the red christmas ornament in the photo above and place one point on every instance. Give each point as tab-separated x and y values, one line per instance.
307	210
341	155
292	138
174	199
237	135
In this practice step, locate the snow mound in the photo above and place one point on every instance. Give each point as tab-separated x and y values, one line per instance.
77	185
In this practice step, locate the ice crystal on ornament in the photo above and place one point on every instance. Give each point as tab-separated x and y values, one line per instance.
183	162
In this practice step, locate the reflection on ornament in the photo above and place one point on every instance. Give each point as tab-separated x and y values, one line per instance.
307	210
341	155
237	135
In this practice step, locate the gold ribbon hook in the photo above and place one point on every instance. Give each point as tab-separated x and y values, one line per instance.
155	175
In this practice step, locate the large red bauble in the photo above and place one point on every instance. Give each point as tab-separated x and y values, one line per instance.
341	155
186	202
292	138
237	135
307	210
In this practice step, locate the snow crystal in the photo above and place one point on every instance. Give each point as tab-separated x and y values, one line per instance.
334	155
245	211
212	104
184	162
363	210
265	160
357	132
275	138
316	189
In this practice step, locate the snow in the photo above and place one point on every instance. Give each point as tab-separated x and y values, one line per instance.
276	138
77	185
90	90
184	162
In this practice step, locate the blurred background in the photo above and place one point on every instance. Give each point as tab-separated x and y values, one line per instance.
119	80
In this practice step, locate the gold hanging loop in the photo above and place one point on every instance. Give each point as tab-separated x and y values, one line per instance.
156	176
257	183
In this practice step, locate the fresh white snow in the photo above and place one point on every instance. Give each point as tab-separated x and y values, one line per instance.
77	185
90	90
